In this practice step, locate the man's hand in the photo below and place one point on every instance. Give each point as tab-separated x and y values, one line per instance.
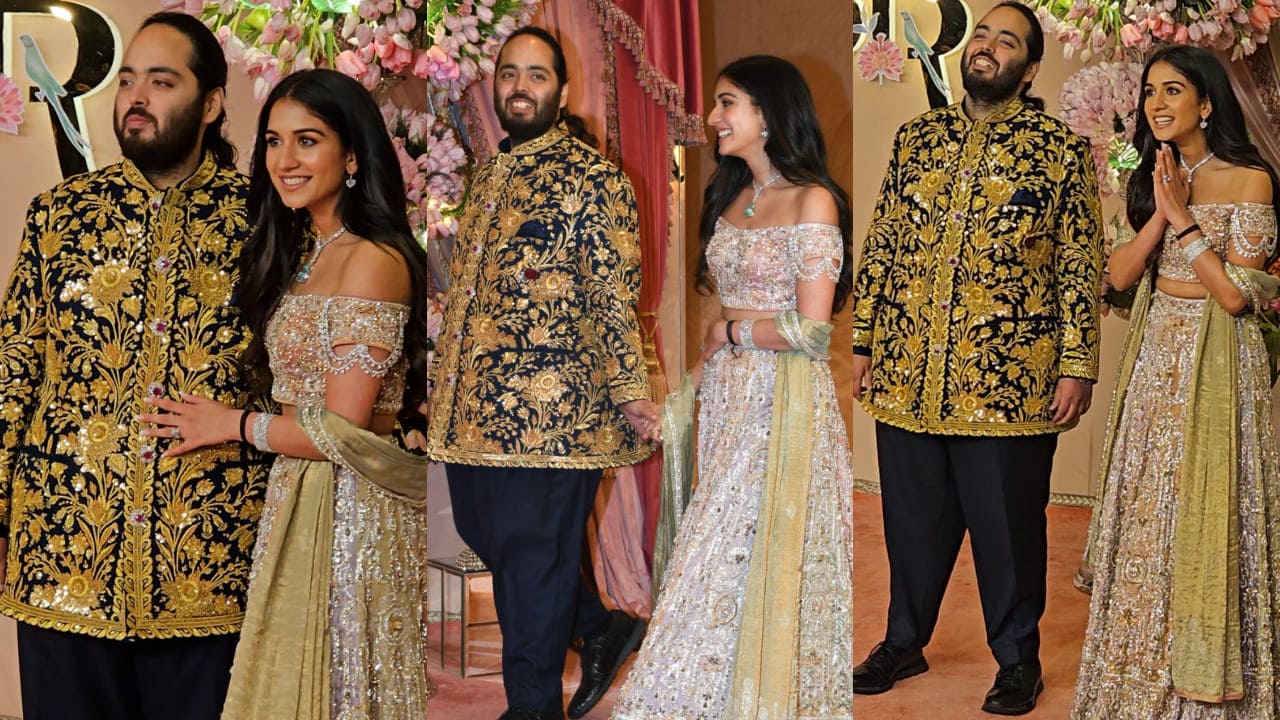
643	416
861	375
4	557
1071	400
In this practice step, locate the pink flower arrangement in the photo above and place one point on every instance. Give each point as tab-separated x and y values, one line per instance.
432	162
880	60
448	43
11	106
1269	323
1100	102
1109	28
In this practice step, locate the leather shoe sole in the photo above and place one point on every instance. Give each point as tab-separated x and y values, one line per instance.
997	708
915	667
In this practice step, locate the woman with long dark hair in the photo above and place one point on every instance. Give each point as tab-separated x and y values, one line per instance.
1185	616
753	619
332	285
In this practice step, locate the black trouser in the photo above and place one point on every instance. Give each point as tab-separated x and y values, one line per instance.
69	676
528	526
933	488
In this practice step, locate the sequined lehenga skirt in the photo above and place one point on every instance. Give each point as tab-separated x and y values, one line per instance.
364	592
1125	665
684	669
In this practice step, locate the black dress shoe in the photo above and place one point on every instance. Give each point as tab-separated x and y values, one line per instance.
521	712
602	656
886	665
1016	689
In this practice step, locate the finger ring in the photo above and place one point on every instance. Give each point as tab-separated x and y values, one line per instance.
1167	179
176	432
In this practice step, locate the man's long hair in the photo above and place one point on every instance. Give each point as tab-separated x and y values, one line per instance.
209	65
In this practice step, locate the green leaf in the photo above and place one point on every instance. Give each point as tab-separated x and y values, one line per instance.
341	7
1126	158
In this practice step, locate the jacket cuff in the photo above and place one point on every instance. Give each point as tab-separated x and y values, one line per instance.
624	394
861	339
1078	370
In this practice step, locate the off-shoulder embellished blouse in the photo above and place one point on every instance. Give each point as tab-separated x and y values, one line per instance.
1224	225
305	329
757	268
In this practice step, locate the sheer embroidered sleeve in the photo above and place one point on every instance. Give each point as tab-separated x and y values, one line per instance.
819	251
360	325
1253	230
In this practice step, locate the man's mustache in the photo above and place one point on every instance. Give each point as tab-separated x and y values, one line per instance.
140	113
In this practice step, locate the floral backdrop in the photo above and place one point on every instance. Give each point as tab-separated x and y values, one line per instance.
1110	28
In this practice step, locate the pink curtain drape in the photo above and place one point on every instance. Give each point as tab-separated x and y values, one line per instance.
641	56
654	52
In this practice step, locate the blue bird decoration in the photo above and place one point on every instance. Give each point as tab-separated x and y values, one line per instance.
923	51
49	90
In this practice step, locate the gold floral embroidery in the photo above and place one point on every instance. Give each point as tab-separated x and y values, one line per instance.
977	286
541	325
105	536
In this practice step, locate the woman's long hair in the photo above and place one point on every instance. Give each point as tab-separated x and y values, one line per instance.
1226	134
374	209
795	148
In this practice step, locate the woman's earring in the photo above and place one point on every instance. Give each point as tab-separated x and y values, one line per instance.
1204	123
350	181
765	133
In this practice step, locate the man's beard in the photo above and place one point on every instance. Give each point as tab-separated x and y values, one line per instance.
171	144
524	129
1003	86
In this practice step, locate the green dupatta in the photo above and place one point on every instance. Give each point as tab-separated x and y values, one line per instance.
765	663
1205	604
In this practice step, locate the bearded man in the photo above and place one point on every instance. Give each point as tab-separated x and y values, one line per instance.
127	571
975	339
540	379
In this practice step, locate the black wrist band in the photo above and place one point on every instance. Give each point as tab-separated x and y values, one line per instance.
1193	227
244	417
728	332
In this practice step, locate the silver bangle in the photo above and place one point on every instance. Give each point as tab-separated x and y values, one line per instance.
261	424
1192	250
744	334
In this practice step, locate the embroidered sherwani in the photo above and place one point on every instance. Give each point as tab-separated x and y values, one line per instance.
540	343
120	292
978	283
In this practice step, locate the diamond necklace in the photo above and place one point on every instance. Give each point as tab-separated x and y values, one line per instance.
304	272
751	208
1192	170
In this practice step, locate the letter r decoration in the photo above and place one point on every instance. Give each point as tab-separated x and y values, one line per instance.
98	51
